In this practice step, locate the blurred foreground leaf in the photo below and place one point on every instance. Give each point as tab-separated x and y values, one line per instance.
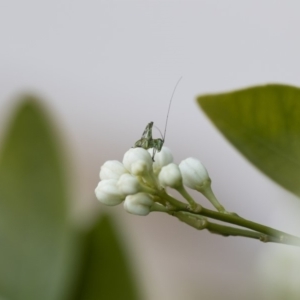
104	273
264	124
33	257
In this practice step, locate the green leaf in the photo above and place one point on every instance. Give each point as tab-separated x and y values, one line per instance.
105	273
263	123
33	223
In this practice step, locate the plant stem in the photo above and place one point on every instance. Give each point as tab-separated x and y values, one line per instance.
244	223
233	231
274	234
279	236
209	194
183	192
201	223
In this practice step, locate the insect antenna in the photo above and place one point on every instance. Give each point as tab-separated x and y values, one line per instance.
159	132
164	136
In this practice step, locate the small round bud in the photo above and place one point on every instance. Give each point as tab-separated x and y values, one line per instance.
137	161
128	184
162	158
170	175
112	169
139	168
138	204
194	174
108	193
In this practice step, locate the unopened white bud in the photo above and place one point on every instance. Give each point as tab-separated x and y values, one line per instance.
170	175
162	158
128	184
108	193
138	204
196	177
112	169
194	174
137	161
139	168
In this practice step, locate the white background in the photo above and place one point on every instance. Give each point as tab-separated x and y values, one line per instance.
107	68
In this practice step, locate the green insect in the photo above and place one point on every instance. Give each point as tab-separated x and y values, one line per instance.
147	140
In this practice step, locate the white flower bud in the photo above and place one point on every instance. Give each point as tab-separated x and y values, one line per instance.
137	161
139	168
129	184
138	204
112	169
162	158
170	175
194	174
108	193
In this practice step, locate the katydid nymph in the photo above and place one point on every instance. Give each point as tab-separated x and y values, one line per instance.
147	141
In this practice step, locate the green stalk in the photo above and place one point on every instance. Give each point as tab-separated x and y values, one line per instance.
183	192
279	236
233	231
201	223
209	194
274	235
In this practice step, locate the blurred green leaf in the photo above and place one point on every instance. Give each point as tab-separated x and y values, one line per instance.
33	223
104	273
264	124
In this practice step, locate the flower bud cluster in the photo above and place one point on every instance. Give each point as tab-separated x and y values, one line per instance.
138	181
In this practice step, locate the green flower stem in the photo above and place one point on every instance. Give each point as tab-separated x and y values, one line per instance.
201	223
208	193
195	221
279	236
233	231
177	205
183	192
272	234
159	207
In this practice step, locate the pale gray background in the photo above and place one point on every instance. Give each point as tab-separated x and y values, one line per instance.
107	68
